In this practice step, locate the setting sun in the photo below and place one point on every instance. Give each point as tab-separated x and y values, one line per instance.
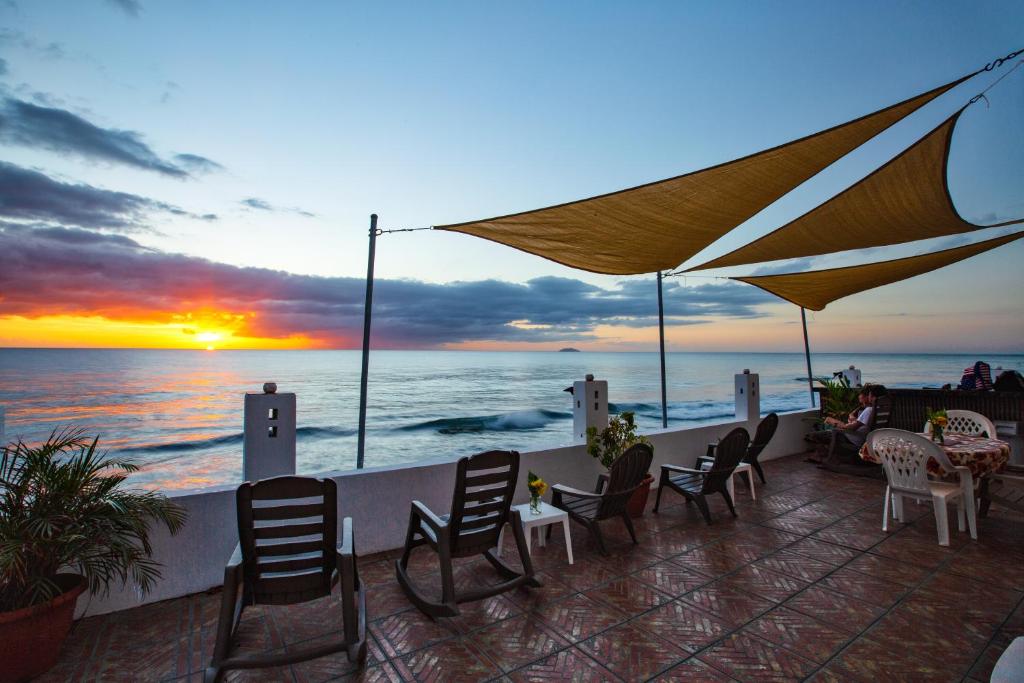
100	332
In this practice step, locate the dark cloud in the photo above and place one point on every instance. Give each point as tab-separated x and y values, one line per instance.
3	67
28	195
197	164
263	205
59	130
130	7
54	270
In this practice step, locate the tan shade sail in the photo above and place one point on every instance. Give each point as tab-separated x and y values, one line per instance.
818	288
659	225
905	200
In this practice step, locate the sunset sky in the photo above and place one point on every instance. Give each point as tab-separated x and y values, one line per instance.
201	175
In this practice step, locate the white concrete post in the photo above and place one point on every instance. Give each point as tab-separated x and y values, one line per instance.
748	396
852	375
268	446
589	407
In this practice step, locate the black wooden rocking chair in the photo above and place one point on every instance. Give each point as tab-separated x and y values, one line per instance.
288	553
626	475
697	485
481	506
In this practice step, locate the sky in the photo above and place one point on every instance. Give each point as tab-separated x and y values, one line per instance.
201	175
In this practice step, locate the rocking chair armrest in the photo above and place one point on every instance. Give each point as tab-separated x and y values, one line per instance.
602	482
428	517
684	470
347	547
236	558
233	569
575	493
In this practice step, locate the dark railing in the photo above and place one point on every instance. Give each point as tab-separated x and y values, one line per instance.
910	406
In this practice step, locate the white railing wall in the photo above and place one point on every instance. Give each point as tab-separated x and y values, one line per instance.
378	501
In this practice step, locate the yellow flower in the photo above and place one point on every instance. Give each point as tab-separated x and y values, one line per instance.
538	487
940	421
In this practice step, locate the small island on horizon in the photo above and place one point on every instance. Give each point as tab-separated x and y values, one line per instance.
568	349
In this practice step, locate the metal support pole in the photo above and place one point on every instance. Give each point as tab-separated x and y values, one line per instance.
807	353
367	314
661	333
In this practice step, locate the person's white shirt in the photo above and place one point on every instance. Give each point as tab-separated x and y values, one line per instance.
860	434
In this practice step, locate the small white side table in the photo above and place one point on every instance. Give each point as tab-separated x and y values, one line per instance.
549	514
741	468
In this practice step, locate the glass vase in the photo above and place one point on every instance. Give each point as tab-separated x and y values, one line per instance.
937	434
534	505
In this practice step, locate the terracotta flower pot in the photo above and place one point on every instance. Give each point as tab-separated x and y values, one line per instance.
638	501
31	638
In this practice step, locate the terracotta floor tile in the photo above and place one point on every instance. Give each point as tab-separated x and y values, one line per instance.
795	565
684	625
457	661
671	578
869	660
385	599
864	587
823	551
584	574
913	550
552	589
764	583
408	631
631	653
953	643
480	614
710	561
732	606
380	673
799	633
579	617
840	611
889	569
748	657
569	665
629	595
987	570
518	641
694	671
324	668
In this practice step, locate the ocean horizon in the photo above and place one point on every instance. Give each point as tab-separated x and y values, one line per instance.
178	412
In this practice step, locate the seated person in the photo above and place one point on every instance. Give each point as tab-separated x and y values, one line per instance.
849	435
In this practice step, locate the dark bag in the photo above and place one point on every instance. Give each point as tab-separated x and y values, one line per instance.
1010	380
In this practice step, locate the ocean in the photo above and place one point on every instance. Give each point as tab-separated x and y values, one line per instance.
179	413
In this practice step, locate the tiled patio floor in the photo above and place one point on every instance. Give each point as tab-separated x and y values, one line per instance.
803	585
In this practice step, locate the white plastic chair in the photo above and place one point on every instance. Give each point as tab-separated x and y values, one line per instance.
905	456
966	422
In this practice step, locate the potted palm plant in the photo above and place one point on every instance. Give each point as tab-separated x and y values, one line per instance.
611	442
67	525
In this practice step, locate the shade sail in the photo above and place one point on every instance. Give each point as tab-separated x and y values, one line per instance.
818	288
905	200
659	225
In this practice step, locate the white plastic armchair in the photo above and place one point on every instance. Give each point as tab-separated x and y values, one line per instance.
966	422
905	456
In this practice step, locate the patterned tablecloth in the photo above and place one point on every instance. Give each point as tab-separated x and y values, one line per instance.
980	455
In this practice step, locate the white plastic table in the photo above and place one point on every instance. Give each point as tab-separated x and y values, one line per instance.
740	469
549	514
